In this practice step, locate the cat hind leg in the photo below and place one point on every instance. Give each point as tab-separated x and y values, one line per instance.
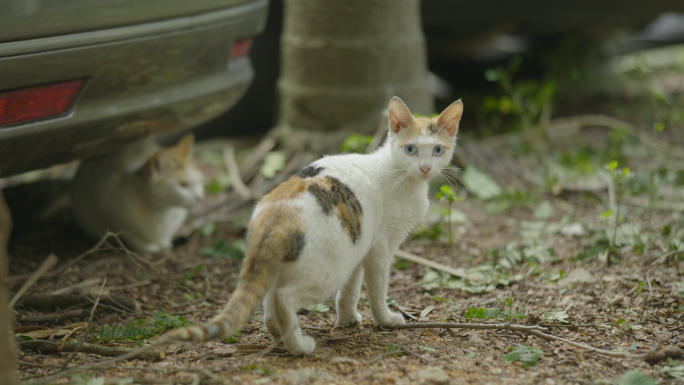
295	343
348	299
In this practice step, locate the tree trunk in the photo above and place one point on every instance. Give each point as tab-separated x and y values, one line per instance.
7	359
342	60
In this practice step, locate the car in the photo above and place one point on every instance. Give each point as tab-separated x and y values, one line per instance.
79	78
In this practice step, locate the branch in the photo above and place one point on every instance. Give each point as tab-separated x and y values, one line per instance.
234	171
47	264
434	265
533	330
52	347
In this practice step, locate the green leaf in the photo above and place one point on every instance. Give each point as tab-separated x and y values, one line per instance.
658	127
634	377
472	355
613	165
318	308
207	230
480	184
544	210
273	162
218	184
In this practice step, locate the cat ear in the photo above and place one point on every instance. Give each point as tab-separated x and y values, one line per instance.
399	115
449	118
154	165
183	149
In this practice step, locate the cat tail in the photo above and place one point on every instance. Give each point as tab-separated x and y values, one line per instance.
269	245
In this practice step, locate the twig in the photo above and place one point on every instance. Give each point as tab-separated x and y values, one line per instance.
434	265
40	300
81	341
533	330
51	347
47	264
234	171
650	288
94	249
383	128
663	257
52	317
251	165
77	286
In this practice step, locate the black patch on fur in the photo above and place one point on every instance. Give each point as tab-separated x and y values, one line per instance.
309	172
297	243
348	207
433	128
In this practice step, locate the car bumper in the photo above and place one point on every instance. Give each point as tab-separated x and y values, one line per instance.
142	80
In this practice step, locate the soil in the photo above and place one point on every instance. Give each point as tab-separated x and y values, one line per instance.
365	354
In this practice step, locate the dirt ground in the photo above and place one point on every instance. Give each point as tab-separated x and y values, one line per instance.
607	308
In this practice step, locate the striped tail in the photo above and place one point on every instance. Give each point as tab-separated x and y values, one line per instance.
272	240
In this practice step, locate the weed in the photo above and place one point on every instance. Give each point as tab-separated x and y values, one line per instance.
446	193
221	249
218	184
527	356
675	368
356	143
318	308
558	315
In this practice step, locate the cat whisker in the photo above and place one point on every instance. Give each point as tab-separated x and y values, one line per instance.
400	179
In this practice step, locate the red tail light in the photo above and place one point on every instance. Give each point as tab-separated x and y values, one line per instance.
37	102
241	48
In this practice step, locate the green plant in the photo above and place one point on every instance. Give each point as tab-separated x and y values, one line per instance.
356	143
446	193
558	315
632	377
674	369
619	177
318	308
222	249
218	183
529	101
527	356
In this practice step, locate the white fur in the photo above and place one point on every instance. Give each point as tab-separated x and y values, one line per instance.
393	193
108	194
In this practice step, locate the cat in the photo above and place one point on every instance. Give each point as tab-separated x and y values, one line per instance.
338	220
142	192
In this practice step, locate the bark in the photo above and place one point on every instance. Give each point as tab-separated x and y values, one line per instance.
342	60
7	358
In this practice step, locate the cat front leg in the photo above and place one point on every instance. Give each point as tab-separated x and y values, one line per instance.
376	266
140	245
348	300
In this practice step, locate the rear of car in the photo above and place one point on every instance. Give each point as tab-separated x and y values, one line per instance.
79	78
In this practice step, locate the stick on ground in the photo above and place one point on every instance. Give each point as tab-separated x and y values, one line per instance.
434	265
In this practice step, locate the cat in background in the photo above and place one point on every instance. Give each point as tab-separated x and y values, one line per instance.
336	222
142	192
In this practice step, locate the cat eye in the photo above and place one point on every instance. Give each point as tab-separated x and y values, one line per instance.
439	150
410	149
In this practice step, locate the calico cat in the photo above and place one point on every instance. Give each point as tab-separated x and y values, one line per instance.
143	192
336	222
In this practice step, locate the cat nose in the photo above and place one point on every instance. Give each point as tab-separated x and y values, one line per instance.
425	170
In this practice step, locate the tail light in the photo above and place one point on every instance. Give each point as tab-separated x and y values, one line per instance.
37	102
241	48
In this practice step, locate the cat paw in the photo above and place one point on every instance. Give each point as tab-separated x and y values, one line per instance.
349	320
306	346
391	320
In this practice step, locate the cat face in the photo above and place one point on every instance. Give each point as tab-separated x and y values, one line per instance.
171	177
422	147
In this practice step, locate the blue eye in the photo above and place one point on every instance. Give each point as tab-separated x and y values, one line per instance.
411	149
439	150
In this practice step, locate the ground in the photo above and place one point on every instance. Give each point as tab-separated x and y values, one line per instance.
552	275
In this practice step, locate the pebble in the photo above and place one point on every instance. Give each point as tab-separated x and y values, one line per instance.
434	375
28	358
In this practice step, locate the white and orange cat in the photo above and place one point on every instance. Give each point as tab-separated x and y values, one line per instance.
142	192
336	223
